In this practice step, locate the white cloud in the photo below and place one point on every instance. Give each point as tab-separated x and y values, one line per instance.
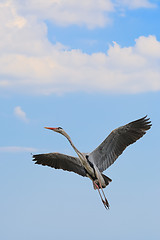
92	13
16	149
148	47
30	64
124	70
20	114
133	4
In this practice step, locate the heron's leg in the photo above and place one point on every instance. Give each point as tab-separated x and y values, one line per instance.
104	202
98	190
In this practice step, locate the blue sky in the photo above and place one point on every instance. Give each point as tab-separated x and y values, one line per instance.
88	67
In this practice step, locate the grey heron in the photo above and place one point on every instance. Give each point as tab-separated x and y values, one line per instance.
92	165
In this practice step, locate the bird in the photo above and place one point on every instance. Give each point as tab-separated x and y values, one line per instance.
93	164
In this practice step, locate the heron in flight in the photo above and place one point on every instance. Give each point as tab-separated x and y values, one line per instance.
93	164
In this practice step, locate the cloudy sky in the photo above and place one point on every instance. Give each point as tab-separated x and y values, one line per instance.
88	66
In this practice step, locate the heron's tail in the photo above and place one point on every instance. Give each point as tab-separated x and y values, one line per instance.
106	179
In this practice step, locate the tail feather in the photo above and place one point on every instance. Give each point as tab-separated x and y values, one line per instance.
106	179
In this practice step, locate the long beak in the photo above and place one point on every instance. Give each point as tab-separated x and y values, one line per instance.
50	128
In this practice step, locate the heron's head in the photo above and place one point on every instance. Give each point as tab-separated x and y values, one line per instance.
58	129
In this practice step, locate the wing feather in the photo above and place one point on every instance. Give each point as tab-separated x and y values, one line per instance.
113	146
60	161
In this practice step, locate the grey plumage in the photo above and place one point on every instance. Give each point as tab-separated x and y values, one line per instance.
60	161
93	164
105	154
113	146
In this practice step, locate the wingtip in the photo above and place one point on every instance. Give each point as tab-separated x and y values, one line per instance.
146	120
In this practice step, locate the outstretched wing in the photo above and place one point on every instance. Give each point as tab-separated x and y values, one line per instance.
113	146
60	161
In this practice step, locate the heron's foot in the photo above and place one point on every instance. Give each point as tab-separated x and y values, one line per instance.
105	203
104	200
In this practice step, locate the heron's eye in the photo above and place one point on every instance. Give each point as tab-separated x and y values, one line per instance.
60	128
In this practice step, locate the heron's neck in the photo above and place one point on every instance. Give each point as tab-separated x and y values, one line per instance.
80	155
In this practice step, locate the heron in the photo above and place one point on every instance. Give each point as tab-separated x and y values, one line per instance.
93	164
